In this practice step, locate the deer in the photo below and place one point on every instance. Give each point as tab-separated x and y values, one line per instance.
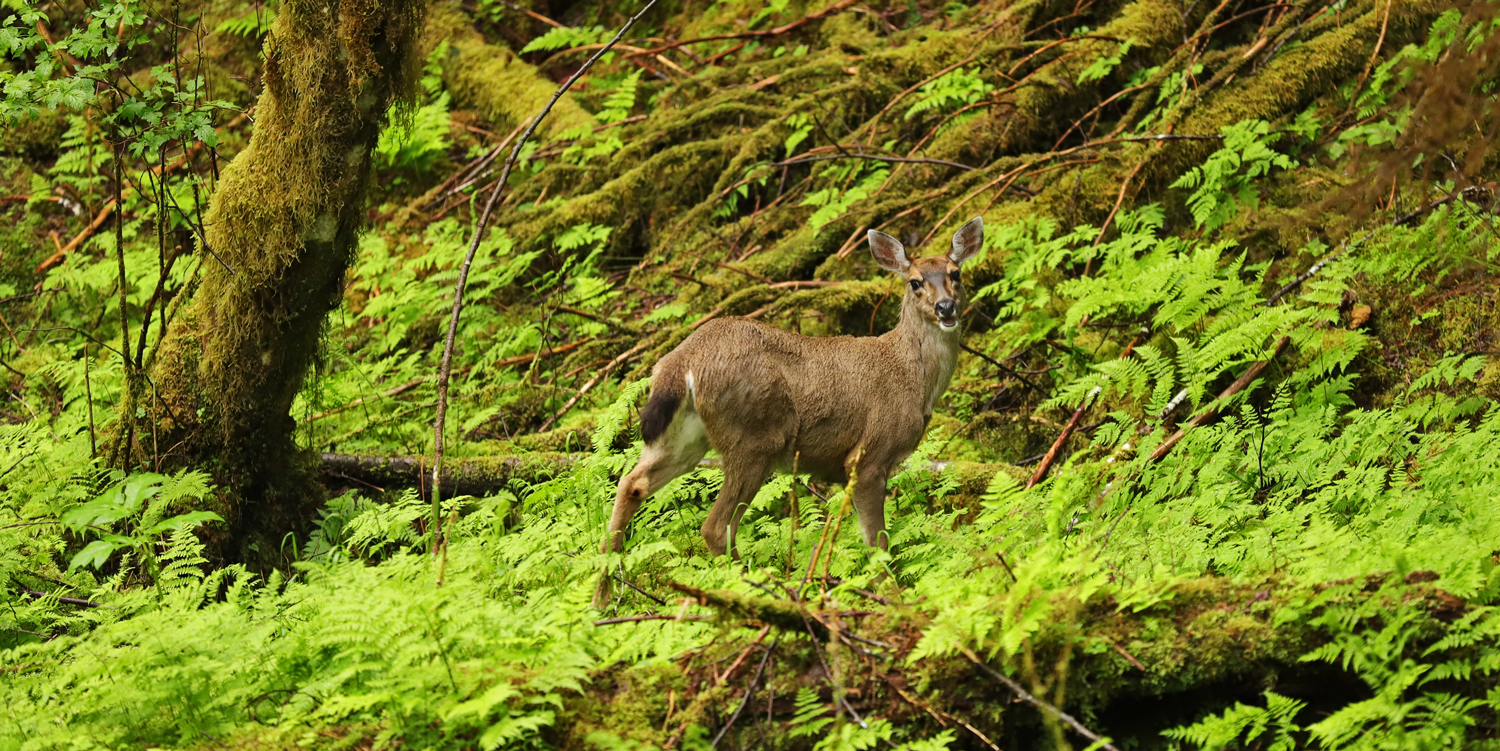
831	407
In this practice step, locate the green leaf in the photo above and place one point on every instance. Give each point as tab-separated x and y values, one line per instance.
97	552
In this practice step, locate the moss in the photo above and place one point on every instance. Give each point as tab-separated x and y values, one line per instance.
1035	107
34	137
631	197
626	705
1131	671
1300	73
493	80
573	438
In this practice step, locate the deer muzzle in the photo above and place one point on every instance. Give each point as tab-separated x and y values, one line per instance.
947	313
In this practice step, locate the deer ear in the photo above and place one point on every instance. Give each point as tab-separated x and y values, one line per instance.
967	240
888	252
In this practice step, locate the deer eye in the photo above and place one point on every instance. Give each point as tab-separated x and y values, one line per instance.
916	285
953	275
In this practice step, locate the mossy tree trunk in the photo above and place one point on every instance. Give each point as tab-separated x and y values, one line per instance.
285	222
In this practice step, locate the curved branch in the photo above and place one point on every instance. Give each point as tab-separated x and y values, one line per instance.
463	272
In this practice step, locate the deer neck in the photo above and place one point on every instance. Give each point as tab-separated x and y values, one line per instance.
932	350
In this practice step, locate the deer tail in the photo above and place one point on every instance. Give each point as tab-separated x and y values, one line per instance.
668	386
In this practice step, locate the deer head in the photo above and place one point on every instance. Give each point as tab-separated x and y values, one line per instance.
934	286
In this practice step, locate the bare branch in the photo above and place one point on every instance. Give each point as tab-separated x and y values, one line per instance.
463	273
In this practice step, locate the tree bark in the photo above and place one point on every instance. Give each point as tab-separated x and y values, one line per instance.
285	220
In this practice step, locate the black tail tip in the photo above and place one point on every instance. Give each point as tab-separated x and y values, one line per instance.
657	415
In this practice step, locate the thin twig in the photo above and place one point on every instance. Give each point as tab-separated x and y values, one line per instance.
1369	66
749	692
1128	656
935	76
733	666
777	31
1304	276
1213	409
1024	695
64	600
463	273
871	157
652	617
1120	200
534	14
1001	366
938	714
641	592
397	391
93	226
592	382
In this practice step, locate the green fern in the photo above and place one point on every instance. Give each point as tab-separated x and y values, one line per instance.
564	37
959	87
253	22
1225	183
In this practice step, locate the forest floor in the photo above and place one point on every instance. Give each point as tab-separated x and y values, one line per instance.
1216	469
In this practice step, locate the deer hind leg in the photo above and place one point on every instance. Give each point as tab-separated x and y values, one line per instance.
742	478
676	452
869	503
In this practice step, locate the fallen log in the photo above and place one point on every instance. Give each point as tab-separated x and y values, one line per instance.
467	476
480	475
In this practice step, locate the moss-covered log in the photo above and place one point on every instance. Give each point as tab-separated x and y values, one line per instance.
284	222
486	474
471	476
1125	671
494	80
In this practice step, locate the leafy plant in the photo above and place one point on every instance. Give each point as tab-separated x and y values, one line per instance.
1225	182
254	22
564	37
142	502
833	201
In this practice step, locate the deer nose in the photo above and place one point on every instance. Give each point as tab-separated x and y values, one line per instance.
946	308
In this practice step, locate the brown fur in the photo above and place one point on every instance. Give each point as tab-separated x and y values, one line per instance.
765	398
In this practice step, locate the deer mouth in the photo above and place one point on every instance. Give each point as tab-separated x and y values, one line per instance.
948	323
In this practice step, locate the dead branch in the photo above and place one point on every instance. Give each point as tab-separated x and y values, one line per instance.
463	274
99	219
1062	439
64	600
749	692
783	614
871	157
1213	408
777	31
1024	695
1304	276
592	382
403	388
935	76
476	476
652	617
109	208
534	14
1002	366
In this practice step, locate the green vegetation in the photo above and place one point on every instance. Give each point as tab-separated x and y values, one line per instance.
1238	278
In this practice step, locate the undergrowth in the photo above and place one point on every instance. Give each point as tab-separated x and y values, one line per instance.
1269	515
